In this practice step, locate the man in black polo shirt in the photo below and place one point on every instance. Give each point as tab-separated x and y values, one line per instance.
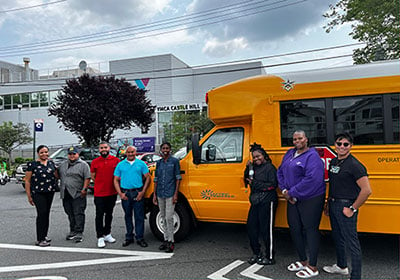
348	190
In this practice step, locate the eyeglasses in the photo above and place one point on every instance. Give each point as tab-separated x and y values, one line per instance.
345	144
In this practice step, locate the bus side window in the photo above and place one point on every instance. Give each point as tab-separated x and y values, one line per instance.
224	145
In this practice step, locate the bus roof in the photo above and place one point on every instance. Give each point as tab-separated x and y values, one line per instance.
237	101
375	69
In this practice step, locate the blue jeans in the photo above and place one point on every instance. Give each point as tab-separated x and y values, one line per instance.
344	233
137	207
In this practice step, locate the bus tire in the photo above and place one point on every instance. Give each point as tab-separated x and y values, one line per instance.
182	222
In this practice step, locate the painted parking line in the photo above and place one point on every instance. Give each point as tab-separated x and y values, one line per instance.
128	256
219	275
44	278
249	272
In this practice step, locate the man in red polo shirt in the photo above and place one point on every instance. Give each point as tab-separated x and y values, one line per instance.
102	172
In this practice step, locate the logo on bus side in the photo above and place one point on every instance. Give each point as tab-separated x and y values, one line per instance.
288	85
208	194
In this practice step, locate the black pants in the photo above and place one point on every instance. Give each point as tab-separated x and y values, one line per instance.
104	211
304	218
43	203
260	223
75	209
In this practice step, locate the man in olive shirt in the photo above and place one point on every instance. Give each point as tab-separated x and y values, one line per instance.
75	178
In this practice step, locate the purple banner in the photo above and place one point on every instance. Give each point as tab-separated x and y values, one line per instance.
145	144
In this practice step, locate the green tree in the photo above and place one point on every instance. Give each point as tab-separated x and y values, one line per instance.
374	22
12	136
93	107
183	125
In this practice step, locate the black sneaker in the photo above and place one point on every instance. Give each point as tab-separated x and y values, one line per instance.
163	246
265	261
170	247
254	259
78	237
142	243
71	235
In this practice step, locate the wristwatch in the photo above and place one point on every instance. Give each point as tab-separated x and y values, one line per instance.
353	209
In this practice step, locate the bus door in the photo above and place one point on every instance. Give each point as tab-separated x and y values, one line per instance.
216	183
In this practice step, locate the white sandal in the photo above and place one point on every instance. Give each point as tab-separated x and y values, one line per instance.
306	273
296	266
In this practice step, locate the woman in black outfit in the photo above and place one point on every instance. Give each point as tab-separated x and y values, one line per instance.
261	176
40	185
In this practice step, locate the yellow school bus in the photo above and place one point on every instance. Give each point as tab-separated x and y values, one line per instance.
361	99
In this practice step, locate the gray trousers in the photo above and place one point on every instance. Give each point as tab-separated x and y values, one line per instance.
75	209
167	212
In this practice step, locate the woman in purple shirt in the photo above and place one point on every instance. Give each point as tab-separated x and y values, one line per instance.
301	180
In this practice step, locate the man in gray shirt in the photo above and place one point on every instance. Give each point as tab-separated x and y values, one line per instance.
75	178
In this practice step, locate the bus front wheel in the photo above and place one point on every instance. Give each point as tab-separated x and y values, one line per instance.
182	222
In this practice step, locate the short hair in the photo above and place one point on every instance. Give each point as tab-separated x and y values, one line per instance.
344	135
132	147
166	143
300	131
41	147
257	147
104	143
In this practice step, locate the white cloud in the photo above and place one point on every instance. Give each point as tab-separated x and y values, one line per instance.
263	22
215	48
121	11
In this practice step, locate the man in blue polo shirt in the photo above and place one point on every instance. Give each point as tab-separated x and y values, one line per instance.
128	182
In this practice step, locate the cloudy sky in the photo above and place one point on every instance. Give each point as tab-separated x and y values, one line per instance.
61	33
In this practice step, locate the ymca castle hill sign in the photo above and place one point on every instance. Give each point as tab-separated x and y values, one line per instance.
183	107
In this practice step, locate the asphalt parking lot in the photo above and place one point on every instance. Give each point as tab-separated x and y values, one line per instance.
213	251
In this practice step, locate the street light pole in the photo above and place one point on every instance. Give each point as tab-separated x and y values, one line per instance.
19	106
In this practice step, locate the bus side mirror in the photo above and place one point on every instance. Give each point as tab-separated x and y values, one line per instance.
196	148
211	152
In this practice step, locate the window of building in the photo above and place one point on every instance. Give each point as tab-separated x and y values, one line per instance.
44	99
164	125
7	102
306	115
53	94
25	100
16	99
34	99
1	103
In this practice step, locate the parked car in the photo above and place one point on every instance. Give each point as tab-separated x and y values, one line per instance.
181	153
149	158
86	154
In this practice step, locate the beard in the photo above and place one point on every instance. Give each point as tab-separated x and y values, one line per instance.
104	154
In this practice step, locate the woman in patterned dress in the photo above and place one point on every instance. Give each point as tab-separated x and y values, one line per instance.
40	185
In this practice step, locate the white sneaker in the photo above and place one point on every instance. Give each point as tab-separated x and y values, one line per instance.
335	269
101	243
108	238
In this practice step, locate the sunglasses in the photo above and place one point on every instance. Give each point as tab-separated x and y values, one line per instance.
345	144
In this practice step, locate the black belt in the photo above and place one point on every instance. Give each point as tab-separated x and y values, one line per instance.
132	190
341	200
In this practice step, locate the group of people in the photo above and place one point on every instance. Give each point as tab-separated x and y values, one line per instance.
300	177
127	179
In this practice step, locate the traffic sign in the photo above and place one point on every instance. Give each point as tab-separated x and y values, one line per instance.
326	154
38	123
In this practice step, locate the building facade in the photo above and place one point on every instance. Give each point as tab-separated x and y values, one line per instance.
171	85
